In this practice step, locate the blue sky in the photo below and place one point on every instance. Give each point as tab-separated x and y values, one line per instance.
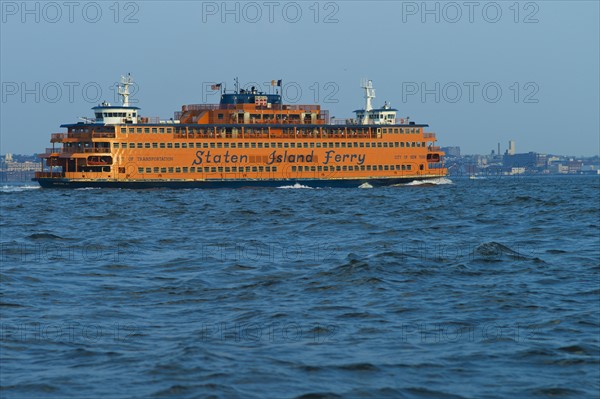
478	73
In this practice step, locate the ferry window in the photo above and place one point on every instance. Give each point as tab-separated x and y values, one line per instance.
140	170
177	170
232	145
247	168
380	167
337	144
279	145
305	145
362	145
319	168
254	169
384	130
274	168
154	130
146	130
385	145
212	145
402	144
138	130
234	168
192	169
396	144
227	169
219	145
220	169
292	145
345	168
408	167
286	145
266	145
337	168
171	170
198	145
185	169
362	167
115	145
261	169
379	145
386	167
369	167
131	130
147	145
161	130
183	145
312	145
204	145
132	145
169	145
154	145
162	145
313	168
253	144
326	168
163	170
318	145
293	169
343	145
206	169
422	144
220	116
168	130
413	144
246	145
156	170
148	170
268	168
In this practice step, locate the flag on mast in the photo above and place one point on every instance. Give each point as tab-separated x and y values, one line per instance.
276	83
215	87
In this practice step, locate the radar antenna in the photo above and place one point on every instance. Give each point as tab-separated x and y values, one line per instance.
126	81
369	96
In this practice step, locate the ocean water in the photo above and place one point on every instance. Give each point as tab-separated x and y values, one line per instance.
484	288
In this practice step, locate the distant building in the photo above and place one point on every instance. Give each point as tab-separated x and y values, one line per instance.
451	151
530	160
511	147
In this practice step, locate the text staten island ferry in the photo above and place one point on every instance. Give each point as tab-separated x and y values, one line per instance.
249	139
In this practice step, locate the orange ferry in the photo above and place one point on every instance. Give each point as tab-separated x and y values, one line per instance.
249	139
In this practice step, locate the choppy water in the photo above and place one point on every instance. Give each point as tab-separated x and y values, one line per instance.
477	289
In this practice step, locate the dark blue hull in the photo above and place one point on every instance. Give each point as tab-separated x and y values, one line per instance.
174	184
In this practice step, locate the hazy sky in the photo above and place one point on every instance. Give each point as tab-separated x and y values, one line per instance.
478	73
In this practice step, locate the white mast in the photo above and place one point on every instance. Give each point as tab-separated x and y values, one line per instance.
124	88
369	96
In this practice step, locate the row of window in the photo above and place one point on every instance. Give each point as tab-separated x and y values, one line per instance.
401	144
207	130
236	169
206	169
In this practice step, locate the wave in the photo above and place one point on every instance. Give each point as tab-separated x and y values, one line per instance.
435	181
365	185
17	189
295	186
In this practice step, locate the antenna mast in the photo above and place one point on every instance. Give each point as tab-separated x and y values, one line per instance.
124	88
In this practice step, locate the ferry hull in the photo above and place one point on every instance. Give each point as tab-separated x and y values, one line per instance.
215	184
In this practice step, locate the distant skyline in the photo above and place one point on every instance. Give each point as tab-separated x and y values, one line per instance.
478	74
